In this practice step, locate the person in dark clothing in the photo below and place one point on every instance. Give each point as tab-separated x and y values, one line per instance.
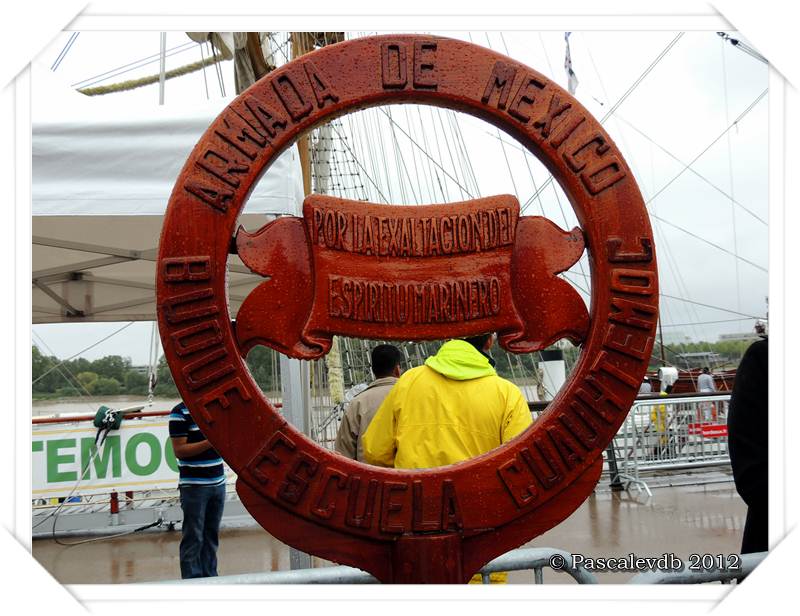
747	443
202	490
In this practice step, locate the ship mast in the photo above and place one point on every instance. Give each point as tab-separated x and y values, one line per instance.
302	43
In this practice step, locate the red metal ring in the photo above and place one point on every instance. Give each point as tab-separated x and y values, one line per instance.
463	515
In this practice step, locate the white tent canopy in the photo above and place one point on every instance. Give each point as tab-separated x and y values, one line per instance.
101	183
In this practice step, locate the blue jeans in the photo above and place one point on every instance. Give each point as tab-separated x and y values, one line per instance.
202	512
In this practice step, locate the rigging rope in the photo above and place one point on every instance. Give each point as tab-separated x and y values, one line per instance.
74	488
114	333
636	83
205	78
691	310
99	441
131	66
683	299
365	144
442	186
621	100
730	174
424	164
686	231
433	178
669	256
68	376
446	141
152	369
460	136
702	323
146	81
218	70
709	242
555	186
377	188
382	158
683	289
697	173
413	151
73	37
400	160
743	46
710	145
453	179
461	155
280	46
688	166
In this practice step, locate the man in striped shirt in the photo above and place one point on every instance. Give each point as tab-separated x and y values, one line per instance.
202	488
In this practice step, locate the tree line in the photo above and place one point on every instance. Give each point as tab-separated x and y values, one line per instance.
114	375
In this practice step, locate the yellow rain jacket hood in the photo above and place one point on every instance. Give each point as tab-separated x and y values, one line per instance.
460	361
453	408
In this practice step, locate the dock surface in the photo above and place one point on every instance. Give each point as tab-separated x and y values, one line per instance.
679	519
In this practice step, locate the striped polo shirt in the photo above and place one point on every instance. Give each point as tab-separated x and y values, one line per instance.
204	469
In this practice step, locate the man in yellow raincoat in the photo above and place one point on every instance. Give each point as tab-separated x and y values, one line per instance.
452	408
658	423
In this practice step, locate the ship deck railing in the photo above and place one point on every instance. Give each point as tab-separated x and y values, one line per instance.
535	560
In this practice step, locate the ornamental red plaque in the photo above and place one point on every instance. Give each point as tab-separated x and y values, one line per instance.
398	272
394	272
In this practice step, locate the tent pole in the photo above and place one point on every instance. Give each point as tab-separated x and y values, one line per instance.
162	70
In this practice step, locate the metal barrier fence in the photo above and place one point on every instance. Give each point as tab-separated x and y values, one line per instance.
523	559
659	433
670	433
325	421
701	576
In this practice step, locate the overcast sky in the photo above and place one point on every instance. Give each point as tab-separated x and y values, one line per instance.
676	113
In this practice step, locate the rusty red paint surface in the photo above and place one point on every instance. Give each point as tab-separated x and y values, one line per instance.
442	524
393	272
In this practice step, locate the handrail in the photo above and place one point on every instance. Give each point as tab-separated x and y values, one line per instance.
537	559
339	574
748	563
540	405
681	398
515	560
132	415
54	420
688	394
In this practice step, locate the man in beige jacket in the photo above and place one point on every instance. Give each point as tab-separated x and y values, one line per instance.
386	360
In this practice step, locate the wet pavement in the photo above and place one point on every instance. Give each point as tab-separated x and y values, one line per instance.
679	519
684	520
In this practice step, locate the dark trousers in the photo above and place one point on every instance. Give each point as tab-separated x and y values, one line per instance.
202	512
755	537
